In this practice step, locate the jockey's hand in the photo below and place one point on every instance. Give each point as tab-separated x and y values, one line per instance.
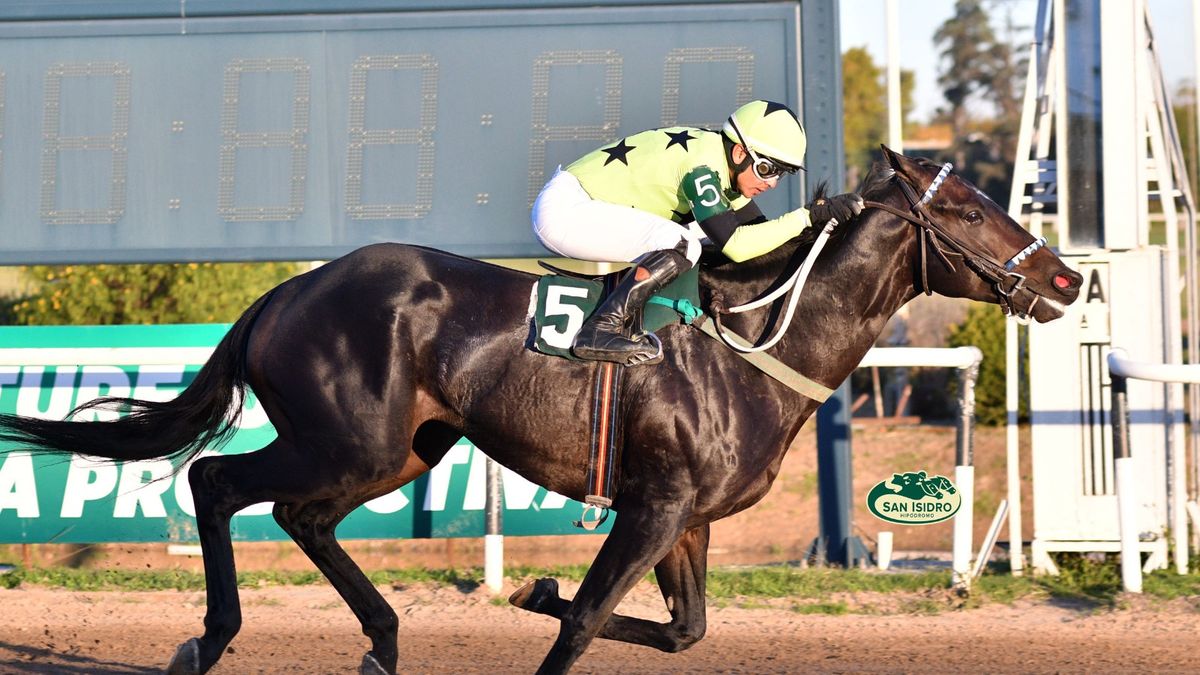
842	207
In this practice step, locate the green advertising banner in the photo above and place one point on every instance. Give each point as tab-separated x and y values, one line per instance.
47	371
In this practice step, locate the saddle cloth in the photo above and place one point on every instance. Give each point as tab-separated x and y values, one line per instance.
560	303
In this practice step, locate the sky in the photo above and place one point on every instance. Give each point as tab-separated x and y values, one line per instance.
862	25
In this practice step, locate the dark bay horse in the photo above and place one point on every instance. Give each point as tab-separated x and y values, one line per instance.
372	366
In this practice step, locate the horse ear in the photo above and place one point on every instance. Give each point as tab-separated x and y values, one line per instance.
905	167
891	156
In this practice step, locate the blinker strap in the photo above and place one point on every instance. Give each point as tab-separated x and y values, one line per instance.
1025	253
937	183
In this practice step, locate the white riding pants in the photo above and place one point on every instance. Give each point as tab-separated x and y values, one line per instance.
569	222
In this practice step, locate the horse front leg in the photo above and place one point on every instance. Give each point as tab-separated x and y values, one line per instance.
642	535
681	577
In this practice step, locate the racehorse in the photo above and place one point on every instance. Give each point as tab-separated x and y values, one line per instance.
371	367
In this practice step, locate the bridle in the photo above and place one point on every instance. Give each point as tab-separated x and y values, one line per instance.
1005	282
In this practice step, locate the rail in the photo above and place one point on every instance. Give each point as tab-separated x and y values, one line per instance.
1122	369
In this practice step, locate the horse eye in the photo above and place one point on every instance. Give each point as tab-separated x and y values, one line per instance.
974	217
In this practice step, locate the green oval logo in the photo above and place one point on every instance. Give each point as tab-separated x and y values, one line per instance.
914	498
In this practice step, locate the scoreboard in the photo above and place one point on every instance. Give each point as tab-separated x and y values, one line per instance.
128	137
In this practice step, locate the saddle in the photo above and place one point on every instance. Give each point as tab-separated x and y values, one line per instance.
562	300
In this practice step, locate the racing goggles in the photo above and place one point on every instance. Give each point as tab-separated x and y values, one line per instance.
764	167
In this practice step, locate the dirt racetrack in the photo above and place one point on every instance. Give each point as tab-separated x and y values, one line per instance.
307	629
446	630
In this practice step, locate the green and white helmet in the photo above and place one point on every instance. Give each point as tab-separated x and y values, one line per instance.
769	129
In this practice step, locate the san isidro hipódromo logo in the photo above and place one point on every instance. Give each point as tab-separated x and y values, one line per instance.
914	498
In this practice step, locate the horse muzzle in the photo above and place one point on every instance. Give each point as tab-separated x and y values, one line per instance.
1044	302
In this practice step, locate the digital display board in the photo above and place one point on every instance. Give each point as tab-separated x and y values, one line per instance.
304	137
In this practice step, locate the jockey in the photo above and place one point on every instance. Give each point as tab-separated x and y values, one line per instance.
652	197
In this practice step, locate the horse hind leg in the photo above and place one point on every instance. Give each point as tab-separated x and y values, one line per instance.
221	486
312	525
681	578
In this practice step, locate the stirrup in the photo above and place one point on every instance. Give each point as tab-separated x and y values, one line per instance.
645	357
595	512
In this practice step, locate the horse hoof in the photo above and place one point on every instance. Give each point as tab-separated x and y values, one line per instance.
370	666
533	595
186	660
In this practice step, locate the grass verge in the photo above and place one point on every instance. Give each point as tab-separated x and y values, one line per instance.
1083	582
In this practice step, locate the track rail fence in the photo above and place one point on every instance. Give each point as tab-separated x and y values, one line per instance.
1122	369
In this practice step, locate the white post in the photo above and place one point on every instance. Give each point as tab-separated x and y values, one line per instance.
964	480
1131	557
895	107
493	540
1016	538
964	474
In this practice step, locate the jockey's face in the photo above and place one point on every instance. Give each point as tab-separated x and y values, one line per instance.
746	182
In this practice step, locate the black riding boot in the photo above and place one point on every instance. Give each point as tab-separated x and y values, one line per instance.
605	336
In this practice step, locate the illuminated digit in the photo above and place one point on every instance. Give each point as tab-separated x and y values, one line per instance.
360	136
673	78
543	132
114	142
233	139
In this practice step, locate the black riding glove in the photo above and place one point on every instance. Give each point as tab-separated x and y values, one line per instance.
842	207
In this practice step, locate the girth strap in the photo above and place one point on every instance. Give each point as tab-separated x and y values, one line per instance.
602	457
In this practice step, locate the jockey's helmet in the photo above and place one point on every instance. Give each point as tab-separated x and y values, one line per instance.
769	129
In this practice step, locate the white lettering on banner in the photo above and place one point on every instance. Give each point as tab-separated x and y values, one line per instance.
30	394
439	477
260	509
18	489
518	492
253	415
387	504
150	377
476	497
143	484
87	480
97	381
553	500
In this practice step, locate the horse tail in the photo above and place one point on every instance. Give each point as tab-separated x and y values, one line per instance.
204	415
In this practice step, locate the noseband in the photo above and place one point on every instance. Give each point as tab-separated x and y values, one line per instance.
1004	281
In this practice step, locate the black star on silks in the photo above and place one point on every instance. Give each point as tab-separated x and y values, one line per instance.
678	217
680	138
618	152
772	106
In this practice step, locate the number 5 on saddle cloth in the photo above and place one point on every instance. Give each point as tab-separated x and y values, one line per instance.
559	304
563	300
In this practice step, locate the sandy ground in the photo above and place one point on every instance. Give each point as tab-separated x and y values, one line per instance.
446	630
449	630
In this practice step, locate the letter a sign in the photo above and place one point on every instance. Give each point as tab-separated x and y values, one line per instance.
1093	319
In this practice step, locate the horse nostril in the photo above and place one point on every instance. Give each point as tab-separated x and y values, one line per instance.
1064	282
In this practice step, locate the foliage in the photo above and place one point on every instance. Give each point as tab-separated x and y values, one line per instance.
977	66
983	327
144	293
864	108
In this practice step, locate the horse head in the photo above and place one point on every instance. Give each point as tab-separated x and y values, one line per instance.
971	248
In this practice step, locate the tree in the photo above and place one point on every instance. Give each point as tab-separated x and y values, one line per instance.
984	328
864	109
144	294
976	66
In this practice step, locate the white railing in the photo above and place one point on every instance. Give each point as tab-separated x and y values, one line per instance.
1122	369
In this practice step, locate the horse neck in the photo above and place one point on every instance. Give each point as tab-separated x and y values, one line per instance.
864	275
